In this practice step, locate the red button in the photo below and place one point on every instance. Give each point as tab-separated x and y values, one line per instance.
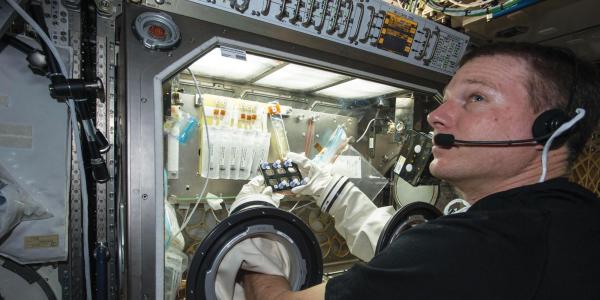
157	32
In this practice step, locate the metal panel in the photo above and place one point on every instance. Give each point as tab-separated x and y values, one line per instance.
412	75
57	20
71	273
106	226
7	15
373	26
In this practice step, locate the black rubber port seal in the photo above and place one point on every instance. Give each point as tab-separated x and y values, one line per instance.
237	224
404	219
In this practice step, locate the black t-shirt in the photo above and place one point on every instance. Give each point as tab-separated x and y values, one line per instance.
534	242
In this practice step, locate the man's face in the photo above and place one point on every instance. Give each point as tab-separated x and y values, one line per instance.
486	100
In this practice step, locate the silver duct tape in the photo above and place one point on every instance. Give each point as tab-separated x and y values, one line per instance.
16	136
4	101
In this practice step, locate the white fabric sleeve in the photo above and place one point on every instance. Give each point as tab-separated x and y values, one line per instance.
357	219
256	254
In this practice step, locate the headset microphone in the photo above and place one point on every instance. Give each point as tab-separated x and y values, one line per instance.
448	140
544	127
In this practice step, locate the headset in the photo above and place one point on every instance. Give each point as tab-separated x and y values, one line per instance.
548	126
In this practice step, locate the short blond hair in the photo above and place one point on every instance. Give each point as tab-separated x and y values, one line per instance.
558	79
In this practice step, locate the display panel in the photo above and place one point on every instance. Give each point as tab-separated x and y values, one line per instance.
374	26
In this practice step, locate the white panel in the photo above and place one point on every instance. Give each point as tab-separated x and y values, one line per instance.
42	168
296	77
358	88
215	65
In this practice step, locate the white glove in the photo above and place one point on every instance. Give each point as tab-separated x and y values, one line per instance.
357	219
316	177
255	190
257	254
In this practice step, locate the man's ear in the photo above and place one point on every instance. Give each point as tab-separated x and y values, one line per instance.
539	147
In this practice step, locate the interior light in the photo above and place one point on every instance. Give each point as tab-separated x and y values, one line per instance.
300	78
214	65
358	88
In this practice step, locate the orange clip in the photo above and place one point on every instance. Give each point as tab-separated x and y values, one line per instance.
274	108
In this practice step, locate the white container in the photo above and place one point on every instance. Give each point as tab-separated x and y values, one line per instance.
175	264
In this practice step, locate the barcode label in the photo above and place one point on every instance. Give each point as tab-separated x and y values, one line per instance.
233	53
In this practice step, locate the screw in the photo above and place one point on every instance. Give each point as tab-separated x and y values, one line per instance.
145	197
144	100
105	4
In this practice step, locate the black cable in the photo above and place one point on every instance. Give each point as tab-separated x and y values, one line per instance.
96	161
18	44
36	59
29	275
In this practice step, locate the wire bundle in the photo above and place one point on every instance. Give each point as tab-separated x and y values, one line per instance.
466	9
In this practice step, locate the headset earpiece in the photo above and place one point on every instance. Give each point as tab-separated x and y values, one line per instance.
548	122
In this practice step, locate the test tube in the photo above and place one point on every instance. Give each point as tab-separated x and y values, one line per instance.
283	184
295	182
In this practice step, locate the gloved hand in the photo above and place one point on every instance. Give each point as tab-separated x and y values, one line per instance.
357	219
257	254
317	177
255	190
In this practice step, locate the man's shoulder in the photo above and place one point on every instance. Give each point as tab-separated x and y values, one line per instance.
465	247
470	237
554	195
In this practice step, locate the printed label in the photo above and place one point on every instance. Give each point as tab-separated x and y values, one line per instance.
233	53
41	241
399	164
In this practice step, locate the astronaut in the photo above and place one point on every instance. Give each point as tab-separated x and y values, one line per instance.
530	233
